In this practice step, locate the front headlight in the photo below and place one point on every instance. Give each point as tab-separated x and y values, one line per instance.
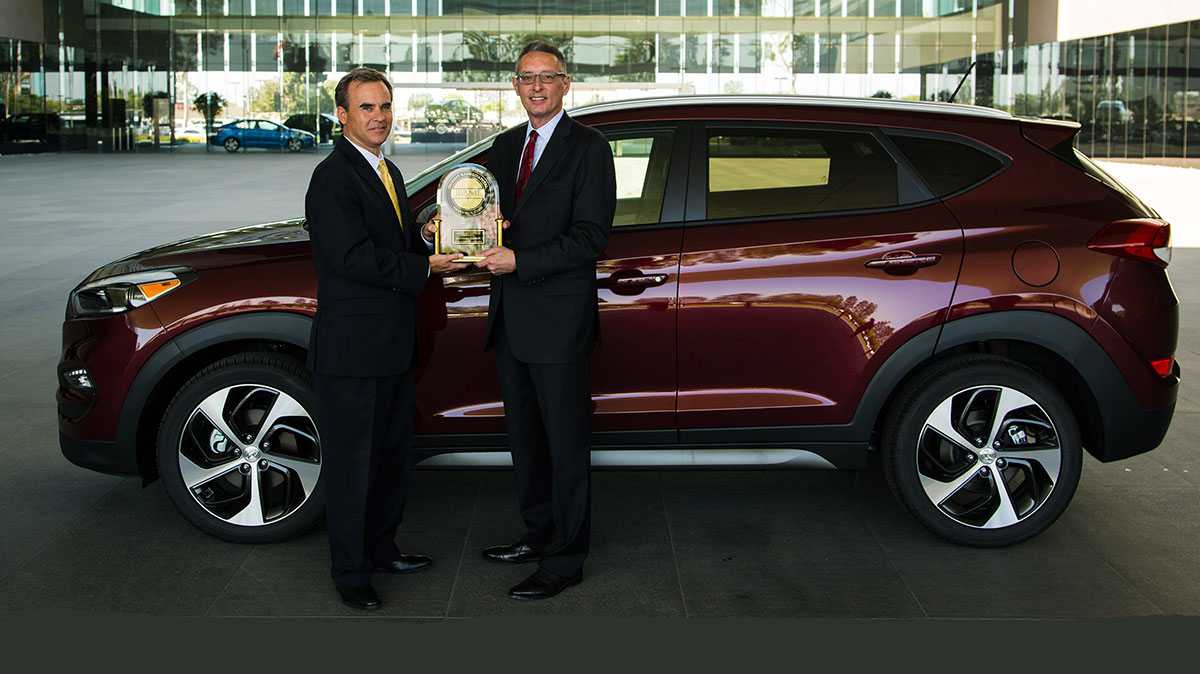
116	294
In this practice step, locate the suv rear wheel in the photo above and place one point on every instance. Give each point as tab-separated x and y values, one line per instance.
238	450
983	451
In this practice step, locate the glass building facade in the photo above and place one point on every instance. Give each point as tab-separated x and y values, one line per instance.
155	75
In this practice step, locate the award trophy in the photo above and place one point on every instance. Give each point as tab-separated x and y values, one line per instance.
469	219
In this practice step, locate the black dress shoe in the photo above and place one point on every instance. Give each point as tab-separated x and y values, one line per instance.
405	564
361	597
517	553
543	585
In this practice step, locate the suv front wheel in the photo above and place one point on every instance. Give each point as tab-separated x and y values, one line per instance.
983	451
238	450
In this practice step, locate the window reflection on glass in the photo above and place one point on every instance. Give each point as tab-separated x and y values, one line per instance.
759	173
641	168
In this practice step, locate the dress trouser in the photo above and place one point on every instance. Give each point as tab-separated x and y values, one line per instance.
366	432
548	417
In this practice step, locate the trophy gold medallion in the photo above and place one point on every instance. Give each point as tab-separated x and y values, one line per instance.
468	213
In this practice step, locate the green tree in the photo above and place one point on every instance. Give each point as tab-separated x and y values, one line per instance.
209	105
301	93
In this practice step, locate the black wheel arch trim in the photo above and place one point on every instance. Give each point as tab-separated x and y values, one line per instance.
288	327
1127	428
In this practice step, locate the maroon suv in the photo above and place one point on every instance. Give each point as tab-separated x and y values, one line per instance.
790	281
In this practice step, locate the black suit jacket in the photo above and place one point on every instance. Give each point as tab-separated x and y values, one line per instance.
559	227
369	270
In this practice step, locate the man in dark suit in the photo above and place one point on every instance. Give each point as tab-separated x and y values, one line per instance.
371	266
558	191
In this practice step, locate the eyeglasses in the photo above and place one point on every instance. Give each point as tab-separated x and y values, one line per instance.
544	78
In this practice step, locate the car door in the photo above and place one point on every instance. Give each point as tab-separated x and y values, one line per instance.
633	368
268	134
244	132
810	254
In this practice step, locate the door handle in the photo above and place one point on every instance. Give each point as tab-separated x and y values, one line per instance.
646	281
903	262
631	281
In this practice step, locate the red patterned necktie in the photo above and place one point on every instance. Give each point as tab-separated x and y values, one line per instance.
526	164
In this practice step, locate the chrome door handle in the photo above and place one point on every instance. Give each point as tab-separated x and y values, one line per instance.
640	281
903	262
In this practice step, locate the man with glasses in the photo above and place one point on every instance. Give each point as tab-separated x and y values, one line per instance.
558	191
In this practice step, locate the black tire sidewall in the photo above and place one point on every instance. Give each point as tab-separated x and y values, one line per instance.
904	428
277	372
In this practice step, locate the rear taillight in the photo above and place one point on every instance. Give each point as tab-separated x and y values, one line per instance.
1163	366
1140	239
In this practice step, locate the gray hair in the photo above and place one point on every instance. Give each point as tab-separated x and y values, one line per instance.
545	48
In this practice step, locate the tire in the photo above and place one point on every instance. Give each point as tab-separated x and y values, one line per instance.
941	467
259	480
232	144
294	144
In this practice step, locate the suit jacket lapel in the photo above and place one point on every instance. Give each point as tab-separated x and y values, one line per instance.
369	174
555	150
501	164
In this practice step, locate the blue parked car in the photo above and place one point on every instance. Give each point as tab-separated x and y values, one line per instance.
261	133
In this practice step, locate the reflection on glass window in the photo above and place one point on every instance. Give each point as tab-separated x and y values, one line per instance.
641	167
759	173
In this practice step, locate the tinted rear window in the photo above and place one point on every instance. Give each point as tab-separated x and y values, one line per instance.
764	172
947	166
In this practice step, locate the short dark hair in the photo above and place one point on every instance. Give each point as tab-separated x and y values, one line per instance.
341	93
545	48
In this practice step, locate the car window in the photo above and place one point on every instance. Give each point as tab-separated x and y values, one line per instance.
268	126
762	172
641	165
242	125
947	166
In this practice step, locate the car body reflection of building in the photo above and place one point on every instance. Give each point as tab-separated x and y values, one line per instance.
1136	93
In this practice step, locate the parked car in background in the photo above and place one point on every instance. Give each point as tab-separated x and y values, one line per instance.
330	128
1114	111
44	128
190	134
454	112
248	133
949	292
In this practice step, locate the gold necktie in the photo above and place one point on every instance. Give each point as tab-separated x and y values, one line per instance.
386	175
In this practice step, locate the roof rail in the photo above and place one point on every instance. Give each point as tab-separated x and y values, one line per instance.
809	101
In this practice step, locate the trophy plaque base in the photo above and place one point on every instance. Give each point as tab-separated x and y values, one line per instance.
467	259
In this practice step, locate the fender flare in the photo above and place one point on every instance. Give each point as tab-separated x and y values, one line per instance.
1126	428
1120	412
288	327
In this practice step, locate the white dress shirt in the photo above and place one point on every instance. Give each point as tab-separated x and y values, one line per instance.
544	133
372	158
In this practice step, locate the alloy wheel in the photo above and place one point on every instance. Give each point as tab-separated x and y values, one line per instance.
988	457
250	455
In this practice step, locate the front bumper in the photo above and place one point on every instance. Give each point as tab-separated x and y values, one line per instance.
105	457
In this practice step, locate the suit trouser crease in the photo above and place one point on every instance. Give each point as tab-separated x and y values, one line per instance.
547	412
365	449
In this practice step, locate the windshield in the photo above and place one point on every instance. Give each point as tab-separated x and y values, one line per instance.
434	172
